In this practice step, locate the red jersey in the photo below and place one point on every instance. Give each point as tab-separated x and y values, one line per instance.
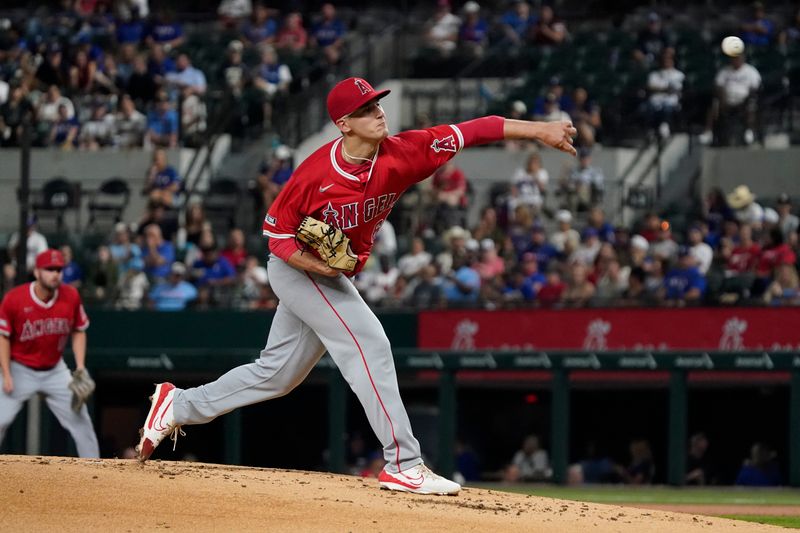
743	258
39	330
358	198
772	257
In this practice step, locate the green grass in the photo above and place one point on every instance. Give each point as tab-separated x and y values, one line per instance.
792	522
662	495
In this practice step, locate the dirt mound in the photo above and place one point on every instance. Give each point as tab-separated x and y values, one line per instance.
67	494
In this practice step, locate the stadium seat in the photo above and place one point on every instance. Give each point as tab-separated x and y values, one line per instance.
57	196
223	200
109	201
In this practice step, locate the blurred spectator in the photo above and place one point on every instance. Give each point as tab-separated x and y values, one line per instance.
103	276
702	252
760	469
612	280
72	274
130	29
467	461
791	35
412	263
36	243
163	184
529	185
785	289
638	251
442	31
272	78
651	42
552	290
583	185
735	104
212	269
133	285
234	70
52	71
774	253
234	250
12	114
745	208
160	63
81	73
664	247
427	293
517	23
637	294
253	279
741	258
641	469
292	38
579	290
376	284
142	85
175	293
488	227
165	30
232	12
385	242
565	239
195	222
587	251
64	131
123	251
260	28
157	253
162	124
450	193
186	79
327	34
7	278
586	118
551	110
130	124
464	283
530	463
99	131
651	226
758	30
684	283
193	119
788	222
665	87
595	467
48	110
538	245
548	30
474	33
597	221
274	174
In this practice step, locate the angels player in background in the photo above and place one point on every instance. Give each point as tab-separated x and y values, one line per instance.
36	321
350	183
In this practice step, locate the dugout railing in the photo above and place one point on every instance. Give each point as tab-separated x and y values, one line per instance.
558	365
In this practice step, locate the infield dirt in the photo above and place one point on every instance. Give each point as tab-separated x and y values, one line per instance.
67	494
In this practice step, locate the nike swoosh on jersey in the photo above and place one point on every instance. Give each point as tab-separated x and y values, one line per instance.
323	189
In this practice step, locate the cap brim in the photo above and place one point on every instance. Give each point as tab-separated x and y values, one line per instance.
377	95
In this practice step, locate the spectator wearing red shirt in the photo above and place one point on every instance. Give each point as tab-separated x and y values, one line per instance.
450	191
551	291
235	251
775	253
292	38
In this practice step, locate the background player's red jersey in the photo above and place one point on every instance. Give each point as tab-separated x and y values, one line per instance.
39	330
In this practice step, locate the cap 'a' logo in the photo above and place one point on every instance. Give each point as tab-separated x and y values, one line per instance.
446	144
362	86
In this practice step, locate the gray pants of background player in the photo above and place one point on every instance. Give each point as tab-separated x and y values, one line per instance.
54	384
315	314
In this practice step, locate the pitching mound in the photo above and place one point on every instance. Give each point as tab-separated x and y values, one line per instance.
66	494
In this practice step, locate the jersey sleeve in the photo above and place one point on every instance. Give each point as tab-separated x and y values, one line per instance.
421	152
286	212
5	317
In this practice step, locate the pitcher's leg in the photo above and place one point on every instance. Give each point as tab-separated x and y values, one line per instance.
55	386
292	351
357	343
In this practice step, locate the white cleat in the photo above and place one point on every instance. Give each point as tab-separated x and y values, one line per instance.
419	480
160	422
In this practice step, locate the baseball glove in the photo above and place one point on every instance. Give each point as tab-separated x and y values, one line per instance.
82	386
330	243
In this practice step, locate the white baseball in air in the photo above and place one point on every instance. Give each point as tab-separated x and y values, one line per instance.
732	46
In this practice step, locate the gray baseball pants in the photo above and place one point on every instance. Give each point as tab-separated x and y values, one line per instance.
315	314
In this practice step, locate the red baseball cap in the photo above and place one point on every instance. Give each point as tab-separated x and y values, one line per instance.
350	94
50	258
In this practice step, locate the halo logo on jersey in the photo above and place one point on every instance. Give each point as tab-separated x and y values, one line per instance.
363	87
446	144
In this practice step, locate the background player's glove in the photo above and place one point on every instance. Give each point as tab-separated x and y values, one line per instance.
330	243
82	386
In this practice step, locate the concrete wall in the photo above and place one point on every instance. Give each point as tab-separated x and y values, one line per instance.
767	172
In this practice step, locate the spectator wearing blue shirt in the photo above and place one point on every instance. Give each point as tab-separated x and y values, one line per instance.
174	294
123	251
272	78
597	220
539	247
187	78
260	28
473	35
130	31
463	285
158	254
518	22
759	30
163	182
72	275
212	269
159	64
274	174
328	33
684	283
760	469
64	131
162	123
166	31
